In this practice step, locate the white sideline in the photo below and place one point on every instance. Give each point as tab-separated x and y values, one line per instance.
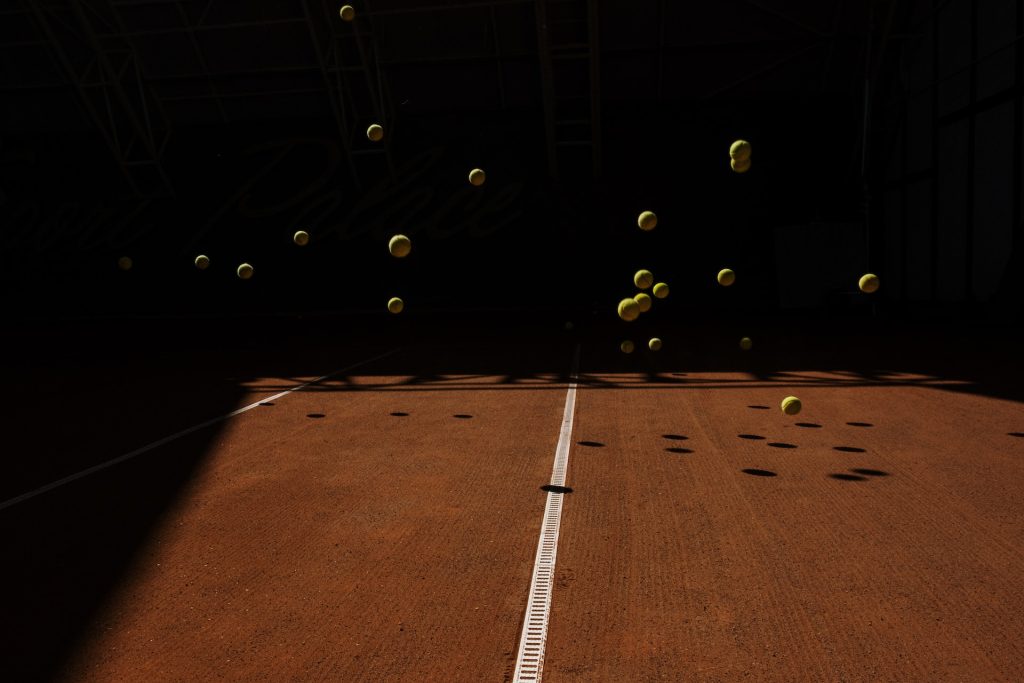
167	439
530	661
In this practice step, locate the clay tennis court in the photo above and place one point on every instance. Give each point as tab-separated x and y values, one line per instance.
382	524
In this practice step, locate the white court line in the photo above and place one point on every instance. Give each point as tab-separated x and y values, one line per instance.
530	661
167	439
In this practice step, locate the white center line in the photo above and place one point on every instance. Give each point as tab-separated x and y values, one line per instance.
530	661
167	439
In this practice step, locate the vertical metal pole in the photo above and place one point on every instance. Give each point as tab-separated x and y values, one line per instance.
595	86
933	246
972	126
546	84
1018	133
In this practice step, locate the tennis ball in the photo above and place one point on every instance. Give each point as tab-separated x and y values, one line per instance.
647	220
643	279
740	150
399	246
643	301
477	177
654	344
791	405
301	238
124	263
202	262
347	12
395	305
244	271
375	133
740	166
627	346
660	290
726	277
868	283
745	343
629	309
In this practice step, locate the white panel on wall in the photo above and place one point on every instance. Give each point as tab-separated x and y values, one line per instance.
919	228
952	186
993	192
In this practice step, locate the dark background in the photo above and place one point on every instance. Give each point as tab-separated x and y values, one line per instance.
162	129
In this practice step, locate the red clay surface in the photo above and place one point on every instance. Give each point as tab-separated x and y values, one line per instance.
704	539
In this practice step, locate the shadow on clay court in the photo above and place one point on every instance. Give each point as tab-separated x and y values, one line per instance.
679	450
759	473
808	425
674	437
752	437
781	444
849	449
869	473
590	444
552	488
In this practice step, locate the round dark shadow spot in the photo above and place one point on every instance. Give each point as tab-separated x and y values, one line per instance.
759	473
317	415
551	488
1019	435
759	407
870	473
860	424
591	444
674	437
780	444
808	425
679	450
848	477
266	403
462	416
751	437
849	449
399	414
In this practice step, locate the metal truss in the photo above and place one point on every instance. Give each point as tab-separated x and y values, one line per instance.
108	80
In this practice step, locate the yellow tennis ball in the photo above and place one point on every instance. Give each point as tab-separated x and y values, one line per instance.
627	346
746	344
643	279
375	133
301	238
477	177
726	277
791	405
654	344
660	290
202	262
629	309
244	271
740	165
643	301
740	150
347	12
400	246
868	283
647	220
124	263
395	305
